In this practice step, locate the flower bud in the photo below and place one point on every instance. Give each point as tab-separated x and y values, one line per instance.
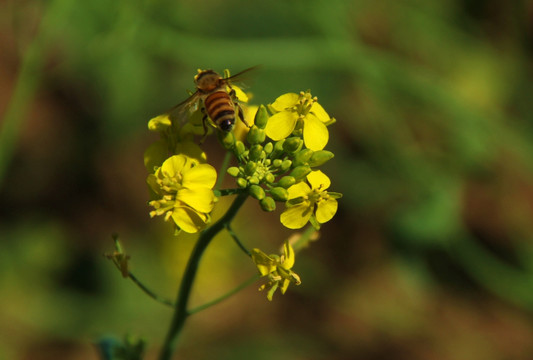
270	178
286	164
300	172
279	193
268	147
261	117
256	192
242	182
292	144
250	167
302	157
255	135
320	157
255	152
286	181
239	148
267	204
227	139
253	180
278	149
277	163
233	171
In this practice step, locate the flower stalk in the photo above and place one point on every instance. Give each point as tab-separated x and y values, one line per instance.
180	312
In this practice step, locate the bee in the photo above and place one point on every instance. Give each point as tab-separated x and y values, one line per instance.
217	98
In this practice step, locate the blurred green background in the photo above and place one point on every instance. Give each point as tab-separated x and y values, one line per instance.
430	255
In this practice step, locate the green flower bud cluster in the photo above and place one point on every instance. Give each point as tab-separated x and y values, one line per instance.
266	168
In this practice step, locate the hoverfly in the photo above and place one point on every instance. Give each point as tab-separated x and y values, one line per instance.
217	99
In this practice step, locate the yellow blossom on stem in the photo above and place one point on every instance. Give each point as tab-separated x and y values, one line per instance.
277	268
184	187
294	111
310	202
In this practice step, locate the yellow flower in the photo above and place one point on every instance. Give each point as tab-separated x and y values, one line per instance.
277	268
184	186
295	111
310	203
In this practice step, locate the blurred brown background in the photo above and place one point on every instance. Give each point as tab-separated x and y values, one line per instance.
430	255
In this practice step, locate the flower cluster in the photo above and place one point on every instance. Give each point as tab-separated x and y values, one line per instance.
277	170
277	269
183	188
277	161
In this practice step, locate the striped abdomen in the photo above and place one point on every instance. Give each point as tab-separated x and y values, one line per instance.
220	109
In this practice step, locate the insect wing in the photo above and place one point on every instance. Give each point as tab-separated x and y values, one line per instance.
182	111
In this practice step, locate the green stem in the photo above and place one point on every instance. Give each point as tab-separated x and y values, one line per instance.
237	241
245	284
225	192
180	312
150	292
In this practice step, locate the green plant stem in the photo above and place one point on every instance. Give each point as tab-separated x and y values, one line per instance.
237	241
180	312
225	192
245	284
150	292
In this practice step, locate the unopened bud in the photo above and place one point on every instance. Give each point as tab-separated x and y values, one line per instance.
286	181
250	167
256	192
255	152
270	178
286	164
233	171
279	193
267	204
300	172
292	144
227	139
261	117
239	148
302	157
320	157
268	147
255	135
242	182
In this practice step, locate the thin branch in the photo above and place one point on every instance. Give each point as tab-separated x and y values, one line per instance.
237	241
245	284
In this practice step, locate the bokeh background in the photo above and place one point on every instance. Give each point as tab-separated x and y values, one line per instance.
430	255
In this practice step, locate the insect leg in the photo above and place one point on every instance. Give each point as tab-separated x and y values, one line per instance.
204	120
233	95
241	115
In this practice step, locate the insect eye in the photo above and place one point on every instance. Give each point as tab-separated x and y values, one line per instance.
226	125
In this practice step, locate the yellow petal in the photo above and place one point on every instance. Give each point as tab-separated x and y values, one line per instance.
200	199
315	133
241	95
189	220
288	253
174	165
318	180
296	216
159	123
202	175
284	285
280	125
326	209
264	263
297	190
285	101
192	150
319	112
